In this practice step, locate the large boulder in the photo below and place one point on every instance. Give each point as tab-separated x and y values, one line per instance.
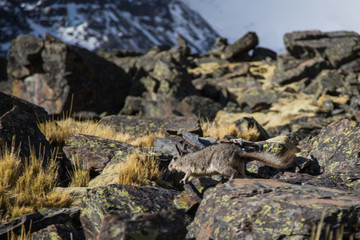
268	209
121	199
337	149
58	76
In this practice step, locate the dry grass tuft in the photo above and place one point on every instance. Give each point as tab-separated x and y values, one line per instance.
329	234
139	169
212	129
25	186
24	234
55	134
94	128
146	141
79	176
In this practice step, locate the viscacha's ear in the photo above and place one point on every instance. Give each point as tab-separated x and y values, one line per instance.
184	150
178	150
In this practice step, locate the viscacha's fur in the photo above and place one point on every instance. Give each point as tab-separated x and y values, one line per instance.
225	159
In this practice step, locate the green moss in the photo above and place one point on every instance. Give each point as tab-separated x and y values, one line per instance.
229	218
180	203
54	236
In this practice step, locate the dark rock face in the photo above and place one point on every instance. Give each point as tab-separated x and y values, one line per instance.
267	209
336	149
19	131
106	24
164	225
50	73
121	199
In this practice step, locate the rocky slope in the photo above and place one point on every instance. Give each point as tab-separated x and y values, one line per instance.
307	99
130	25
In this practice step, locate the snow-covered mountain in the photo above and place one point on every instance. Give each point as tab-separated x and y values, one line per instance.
103	24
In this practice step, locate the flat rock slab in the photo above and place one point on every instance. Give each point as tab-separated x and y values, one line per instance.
337	148
268	209
138	126
120	199
305	179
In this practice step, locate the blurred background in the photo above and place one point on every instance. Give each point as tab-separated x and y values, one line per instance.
272	19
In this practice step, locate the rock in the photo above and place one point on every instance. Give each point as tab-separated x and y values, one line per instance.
338	47
132	106
257	99
261	53
46	224
188	199
135	125
268	209
305	179
193	139
198	106
163	225
336	148
50	73
95	153
3	65
241	46
166	146
289	70
121	199
193	193
109	175
76	193
328	81
7	102
19	131
352	66
207	141
5	85
246	124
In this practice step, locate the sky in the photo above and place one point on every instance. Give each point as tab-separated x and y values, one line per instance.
271	19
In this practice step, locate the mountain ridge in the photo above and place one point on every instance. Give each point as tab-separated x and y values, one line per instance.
95	24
